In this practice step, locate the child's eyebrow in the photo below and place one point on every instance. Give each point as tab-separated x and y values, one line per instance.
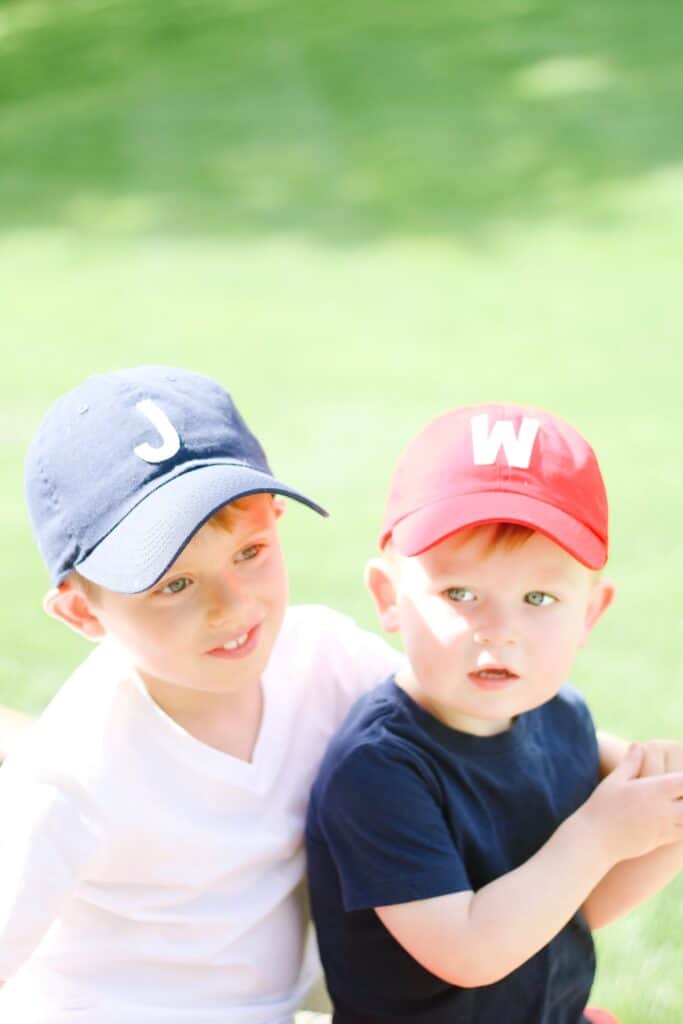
241	539
551	574
251	533
451	577
546	575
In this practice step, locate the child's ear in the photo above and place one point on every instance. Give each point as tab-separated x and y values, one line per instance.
599	601
380	583
71	606
279	505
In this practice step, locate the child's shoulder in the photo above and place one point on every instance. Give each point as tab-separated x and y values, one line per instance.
329	626
569	705
302	616
323	644
73	733
374	733
564	729
377	769
322	662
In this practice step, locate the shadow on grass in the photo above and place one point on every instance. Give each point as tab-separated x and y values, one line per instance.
344	122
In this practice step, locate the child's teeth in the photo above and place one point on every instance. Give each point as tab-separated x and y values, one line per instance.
233	644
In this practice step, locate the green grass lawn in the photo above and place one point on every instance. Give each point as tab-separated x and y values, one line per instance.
357	217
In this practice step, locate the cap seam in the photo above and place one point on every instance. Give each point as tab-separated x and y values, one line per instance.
162	482
58	507
521	494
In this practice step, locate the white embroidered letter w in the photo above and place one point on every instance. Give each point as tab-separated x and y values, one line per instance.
170	442
517	447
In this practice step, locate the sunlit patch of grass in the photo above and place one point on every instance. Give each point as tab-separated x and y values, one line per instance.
564	76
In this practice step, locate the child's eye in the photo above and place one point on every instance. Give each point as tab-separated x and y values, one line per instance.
539	598
176	586
249	552
459	594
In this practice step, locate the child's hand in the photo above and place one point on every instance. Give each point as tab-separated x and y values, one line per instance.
661	757
633	814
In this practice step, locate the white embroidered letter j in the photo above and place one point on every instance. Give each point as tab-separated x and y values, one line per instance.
170	442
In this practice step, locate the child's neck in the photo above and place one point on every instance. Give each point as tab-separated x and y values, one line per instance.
229	722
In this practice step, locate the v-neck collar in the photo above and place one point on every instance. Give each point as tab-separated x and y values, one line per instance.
269	748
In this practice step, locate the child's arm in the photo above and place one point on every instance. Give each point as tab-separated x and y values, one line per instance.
633	881
476	938
49	839
659	755
611	752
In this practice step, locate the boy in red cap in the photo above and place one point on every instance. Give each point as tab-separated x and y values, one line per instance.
460	844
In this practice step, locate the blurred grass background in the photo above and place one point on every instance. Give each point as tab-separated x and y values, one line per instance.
356	217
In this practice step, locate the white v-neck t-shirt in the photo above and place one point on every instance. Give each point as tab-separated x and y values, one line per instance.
146	877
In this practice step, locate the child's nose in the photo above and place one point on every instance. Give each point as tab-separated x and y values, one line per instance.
492	638
495	630
225	600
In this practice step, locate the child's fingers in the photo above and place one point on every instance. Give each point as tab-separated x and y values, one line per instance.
674	756
671	820
677	825
631	765
675	781
668	787
654	760
662	756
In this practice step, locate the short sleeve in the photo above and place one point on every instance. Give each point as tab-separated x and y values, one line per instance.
381	818
48	838
575	721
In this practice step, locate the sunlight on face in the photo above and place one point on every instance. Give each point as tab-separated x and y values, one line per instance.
492	632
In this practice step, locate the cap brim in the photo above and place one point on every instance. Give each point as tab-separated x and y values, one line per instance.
423	529
139	550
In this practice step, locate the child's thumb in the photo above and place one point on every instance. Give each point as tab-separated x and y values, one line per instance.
629	767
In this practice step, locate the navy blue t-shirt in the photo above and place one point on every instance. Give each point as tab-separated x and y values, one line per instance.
405	808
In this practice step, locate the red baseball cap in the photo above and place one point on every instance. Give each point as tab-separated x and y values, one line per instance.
498	463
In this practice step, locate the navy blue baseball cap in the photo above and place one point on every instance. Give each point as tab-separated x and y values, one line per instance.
125	469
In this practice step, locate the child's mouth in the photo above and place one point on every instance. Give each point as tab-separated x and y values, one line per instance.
239	646
232	645
492	678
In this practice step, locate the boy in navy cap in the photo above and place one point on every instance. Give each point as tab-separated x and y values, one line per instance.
153	816
460	843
